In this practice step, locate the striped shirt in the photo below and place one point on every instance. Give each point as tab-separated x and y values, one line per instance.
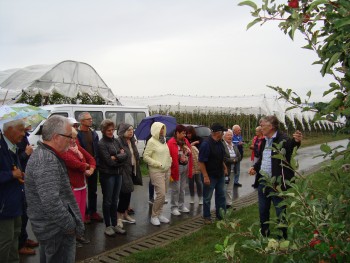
266	155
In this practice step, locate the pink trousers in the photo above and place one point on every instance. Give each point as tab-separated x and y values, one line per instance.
80	196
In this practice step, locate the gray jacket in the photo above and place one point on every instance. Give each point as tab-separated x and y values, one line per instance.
52	207
231	161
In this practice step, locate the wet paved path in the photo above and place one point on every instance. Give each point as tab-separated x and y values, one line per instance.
139	201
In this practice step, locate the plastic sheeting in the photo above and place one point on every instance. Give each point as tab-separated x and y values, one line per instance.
256	105
67	78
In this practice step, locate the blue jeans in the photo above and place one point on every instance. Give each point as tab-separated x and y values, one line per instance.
220	201
236	172
264	209
110	185
58	249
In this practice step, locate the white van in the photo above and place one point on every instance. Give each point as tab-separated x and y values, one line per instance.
118	114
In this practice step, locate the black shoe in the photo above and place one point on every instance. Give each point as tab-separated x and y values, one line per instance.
255	186
228	206
237	184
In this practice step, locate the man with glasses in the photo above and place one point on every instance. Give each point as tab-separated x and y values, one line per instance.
88	139
213	169
52	208
273	168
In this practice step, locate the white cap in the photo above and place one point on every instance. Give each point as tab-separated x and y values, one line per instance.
72	121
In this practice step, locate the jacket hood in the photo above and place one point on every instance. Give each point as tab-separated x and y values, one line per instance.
122	128
155	129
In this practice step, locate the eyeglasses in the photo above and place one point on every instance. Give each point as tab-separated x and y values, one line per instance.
67	136
87	119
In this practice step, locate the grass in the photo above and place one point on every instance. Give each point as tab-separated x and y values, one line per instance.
200	246
313	139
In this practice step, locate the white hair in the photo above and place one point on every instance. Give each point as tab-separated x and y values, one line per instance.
235	127
82	115
228	131
13	124
54	125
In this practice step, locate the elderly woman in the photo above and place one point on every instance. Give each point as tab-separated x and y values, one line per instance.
131	168
80	164
181	169
112	158
157	156
232	157
255	147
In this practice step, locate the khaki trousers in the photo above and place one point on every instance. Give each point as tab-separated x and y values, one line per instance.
159	181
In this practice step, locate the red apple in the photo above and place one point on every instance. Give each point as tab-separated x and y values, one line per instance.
293	3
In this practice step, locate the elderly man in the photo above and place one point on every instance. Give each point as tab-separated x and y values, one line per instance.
88	139
11	191
52	209
231	159
273	167
213	169
238	141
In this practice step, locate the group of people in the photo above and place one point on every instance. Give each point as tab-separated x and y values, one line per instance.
57	187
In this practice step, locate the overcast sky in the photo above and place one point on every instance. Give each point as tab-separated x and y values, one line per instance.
155	47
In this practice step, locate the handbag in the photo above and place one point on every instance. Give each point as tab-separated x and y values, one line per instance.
127	183
137	178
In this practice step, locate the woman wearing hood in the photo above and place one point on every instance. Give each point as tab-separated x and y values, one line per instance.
157	156
131	168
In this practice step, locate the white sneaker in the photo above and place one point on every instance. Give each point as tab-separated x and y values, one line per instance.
163	219
200	202
155	221
129	219
192	200
175	212
120	223
119	230
166	201
185	210
109	231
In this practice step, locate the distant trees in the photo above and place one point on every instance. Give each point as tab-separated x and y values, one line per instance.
56	98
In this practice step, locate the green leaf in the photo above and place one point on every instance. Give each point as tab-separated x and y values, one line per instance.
249	3
284	245
257	20
342	22
325	148
291	107
308	94
308	46
334	59
316	3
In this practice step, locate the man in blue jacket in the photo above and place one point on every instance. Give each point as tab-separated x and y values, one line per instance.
11	190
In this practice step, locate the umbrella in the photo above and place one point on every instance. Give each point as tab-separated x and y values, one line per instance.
29	113
143	130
